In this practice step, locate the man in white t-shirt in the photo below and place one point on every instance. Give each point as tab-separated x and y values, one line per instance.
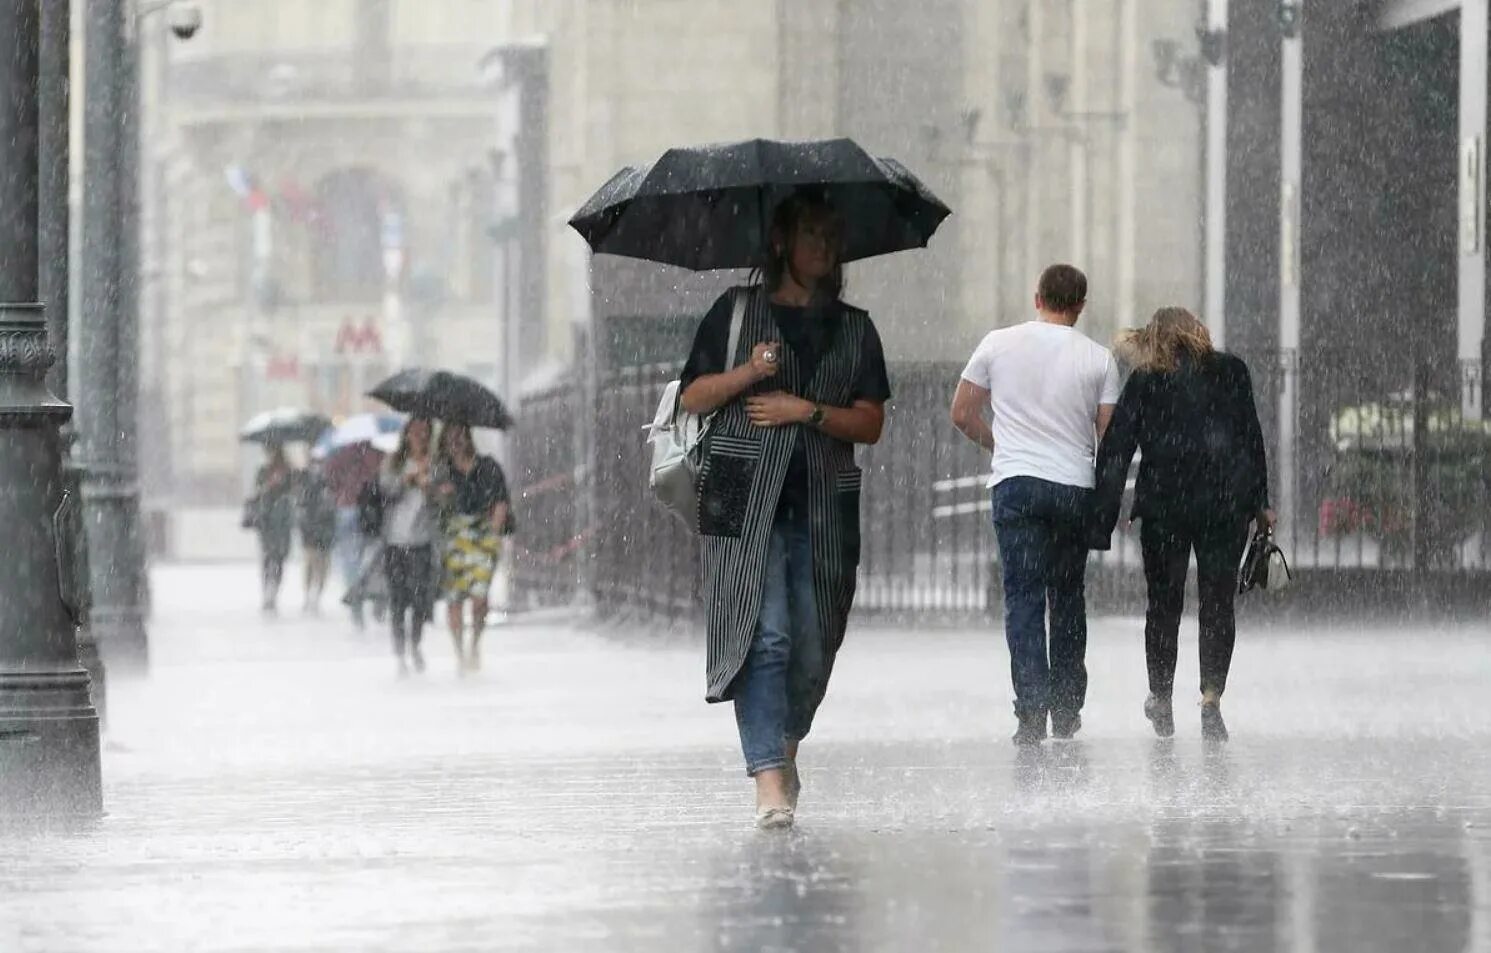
1051	391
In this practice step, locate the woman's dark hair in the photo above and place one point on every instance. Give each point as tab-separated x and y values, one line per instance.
401	455
802	205
443	454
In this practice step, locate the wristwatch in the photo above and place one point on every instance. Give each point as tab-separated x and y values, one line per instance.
815	419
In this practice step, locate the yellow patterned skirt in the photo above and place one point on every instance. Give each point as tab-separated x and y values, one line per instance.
471	551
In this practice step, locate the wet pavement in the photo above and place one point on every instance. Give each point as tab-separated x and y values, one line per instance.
274	786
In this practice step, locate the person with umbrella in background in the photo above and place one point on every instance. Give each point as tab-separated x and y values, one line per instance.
270	510
317	530
352	458
409	533
457	400
806	381
472	493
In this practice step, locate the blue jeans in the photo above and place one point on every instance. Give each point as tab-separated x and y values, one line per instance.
768	711
1042	531
348	551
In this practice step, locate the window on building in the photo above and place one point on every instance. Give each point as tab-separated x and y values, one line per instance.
355	208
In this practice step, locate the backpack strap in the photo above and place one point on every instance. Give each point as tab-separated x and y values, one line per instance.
737	319
739	297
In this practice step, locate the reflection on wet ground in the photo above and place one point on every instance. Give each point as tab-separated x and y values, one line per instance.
275	787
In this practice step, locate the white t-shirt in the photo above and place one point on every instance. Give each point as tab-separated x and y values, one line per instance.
1045	383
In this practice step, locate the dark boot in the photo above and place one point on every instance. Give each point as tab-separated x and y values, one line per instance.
1032	730
1213	728
1160	714
1065	724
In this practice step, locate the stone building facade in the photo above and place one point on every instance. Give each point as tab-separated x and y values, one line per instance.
334	181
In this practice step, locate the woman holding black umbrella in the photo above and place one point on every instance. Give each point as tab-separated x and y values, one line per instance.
409	532
779	488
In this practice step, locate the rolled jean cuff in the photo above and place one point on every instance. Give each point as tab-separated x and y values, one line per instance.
770	764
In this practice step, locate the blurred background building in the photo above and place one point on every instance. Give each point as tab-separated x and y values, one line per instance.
331	189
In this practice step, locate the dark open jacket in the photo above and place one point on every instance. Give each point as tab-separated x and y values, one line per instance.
1201	447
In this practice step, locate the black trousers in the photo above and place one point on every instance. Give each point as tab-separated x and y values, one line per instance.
1167	543
411	591
274	549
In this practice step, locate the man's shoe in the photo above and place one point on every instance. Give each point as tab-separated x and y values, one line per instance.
775	819
1161	715
1065	724
1213	728
1032	730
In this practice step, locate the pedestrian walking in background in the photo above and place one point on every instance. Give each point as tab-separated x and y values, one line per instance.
1051	391
270	512
347	471
779	489
1203	477
317	520
474	510
409	534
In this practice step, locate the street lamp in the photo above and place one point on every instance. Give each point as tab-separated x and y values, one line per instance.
49	750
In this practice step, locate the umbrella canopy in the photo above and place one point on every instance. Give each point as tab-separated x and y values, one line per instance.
359	428
710	206
453	398
283	425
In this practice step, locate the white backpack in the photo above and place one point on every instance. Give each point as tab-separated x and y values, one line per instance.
677	436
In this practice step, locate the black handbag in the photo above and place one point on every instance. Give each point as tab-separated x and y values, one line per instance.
1264	565
250	517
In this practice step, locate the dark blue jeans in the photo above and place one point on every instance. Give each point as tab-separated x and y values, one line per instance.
1042	531
770	710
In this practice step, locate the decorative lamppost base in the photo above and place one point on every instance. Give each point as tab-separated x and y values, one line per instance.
49	751
49	755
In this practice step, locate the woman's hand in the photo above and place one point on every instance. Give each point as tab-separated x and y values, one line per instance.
765	359
419	476
777	408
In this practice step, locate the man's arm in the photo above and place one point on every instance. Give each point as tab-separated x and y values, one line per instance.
1108	398
969	400
1104	418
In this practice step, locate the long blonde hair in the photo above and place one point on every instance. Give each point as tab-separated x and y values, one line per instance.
1173	333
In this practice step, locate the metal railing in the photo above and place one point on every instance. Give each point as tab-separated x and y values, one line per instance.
1370	496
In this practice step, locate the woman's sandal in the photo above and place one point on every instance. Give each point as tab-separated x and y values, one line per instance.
774	818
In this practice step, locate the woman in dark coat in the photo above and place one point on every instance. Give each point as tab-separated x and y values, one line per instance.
779	488
1188	409
273	506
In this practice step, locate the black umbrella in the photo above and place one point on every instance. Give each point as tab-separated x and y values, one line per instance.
284	425
453	398
709	207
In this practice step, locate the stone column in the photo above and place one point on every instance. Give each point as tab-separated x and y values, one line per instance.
55	244
106	424
1291	90
1214	52
49	753
1472	260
